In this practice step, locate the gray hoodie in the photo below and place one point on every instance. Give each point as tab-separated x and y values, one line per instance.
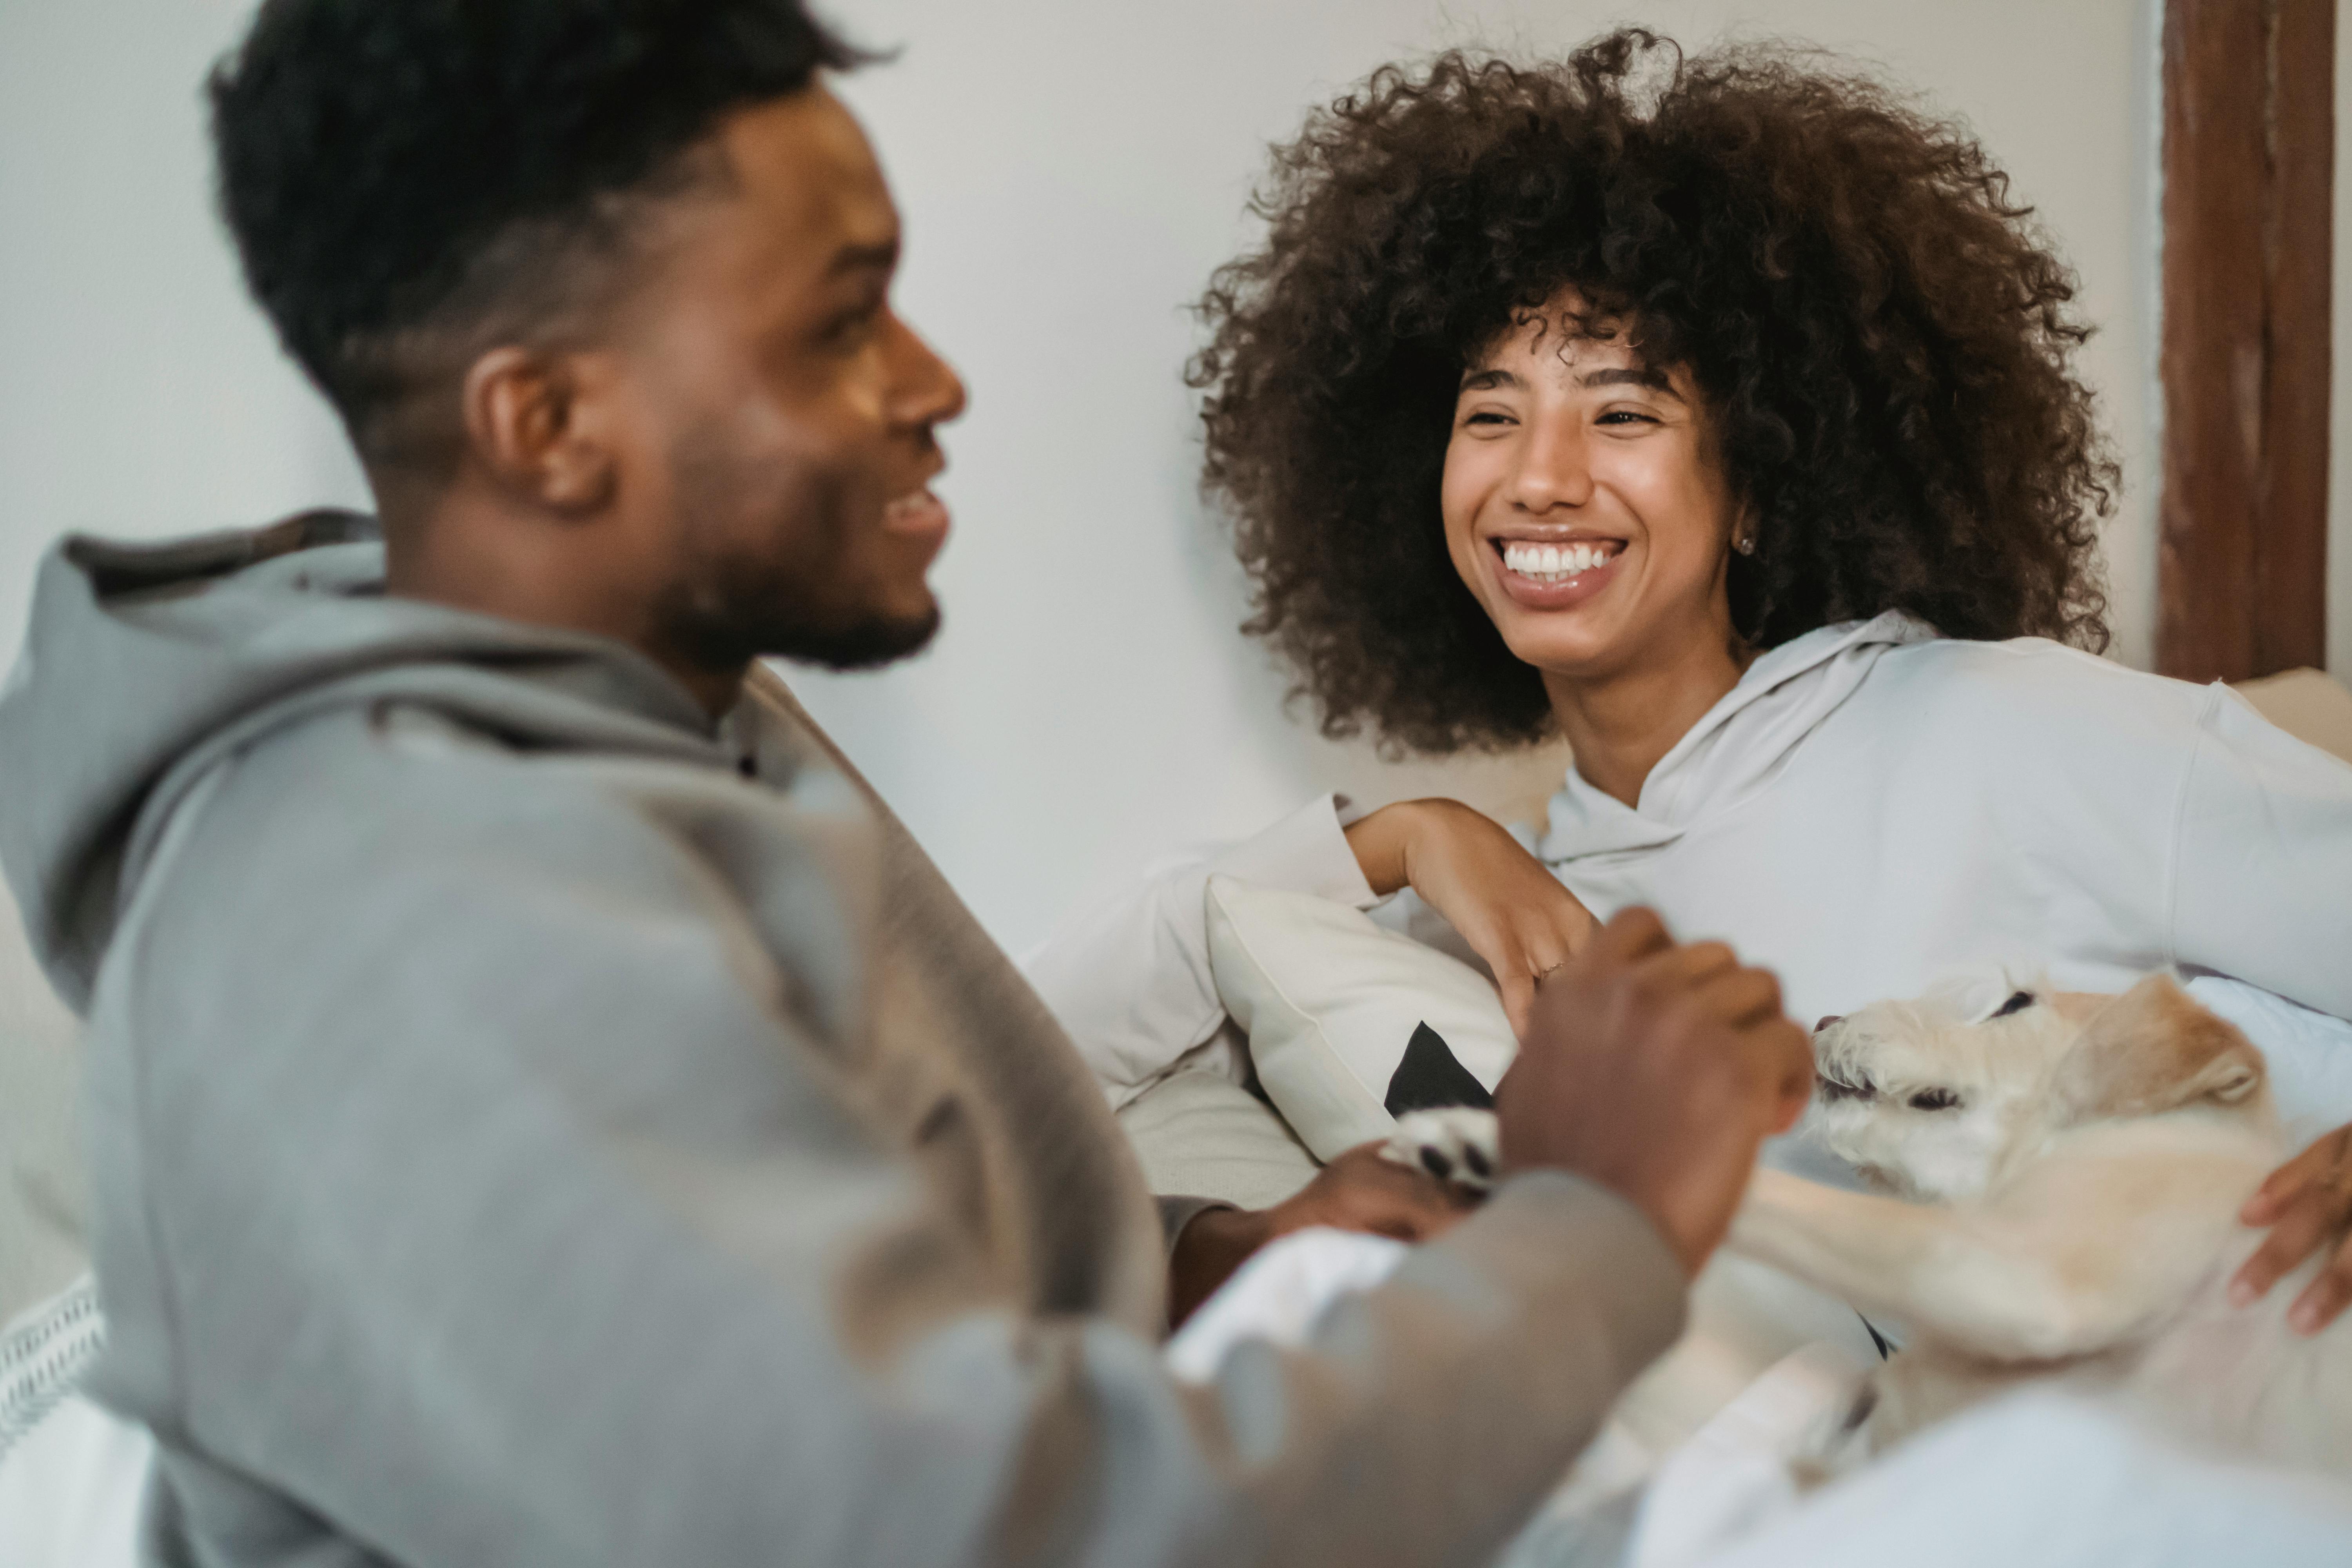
529	1125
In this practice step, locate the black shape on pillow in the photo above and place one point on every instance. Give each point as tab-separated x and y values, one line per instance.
1428	1077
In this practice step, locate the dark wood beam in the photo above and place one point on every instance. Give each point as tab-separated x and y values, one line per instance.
2248	172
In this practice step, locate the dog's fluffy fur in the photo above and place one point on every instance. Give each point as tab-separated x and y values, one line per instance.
2067	1170
2062	1176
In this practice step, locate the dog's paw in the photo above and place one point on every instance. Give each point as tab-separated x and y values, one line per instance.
1840	1441
1455	1144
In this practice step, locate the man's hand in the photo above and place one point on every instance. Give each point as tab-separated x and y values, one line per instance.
1655	1070
1358	1190
2307	1204
1505	903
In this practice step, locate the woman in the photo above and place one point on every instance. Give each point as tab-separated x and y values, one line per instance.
1718	416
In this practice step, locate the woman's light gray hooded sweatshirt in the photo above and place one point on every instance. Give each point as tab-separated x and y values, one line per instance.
1872	809
529	1127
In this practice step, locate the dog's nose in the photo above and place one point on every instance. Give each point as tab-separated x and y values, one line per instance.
1827	1020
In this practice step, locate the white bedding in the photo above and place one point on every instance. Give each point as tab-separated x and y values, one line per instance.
69	1491
71	1475
2043	1481
2039	1479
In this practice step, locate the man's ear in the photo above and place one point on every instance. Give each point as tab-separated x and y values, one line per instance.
2152	1049
524	426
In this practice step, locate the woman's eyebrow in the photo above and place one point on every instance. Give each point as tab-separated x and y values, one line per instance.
1488	379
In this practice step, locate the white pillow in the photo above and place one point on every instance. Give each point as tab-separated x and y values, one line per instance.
1350	1024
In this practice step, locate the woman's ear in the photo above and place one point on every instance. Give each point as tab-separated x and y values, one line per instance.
524	428
2151	1051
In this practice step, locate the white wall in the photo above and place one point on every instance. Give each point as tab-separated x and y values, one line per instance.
1071	170
140	394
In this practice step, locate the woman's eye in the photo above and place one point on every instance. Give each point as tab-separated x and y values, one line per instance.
2018	1002
1486	416
1625	416
1934	1099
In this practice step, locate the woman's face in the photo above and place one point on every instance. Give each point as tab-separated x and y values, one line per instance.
1584	507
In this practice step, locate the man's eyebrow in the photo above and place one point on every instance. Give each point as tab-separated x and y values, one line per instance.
1629	375
1488	379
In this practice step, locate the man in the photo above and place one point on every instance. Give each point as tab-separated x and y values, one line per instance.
544	1108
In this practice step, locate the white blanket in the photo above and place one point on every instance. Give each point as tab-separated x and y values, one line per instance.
71	1475
2039	1479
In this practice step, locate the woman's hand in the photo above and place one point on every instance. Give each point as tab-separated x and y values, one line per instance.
2307	1204
1508	906
1359	1190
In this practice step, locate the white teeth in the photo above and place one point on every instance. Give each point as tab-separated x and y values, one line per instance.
905	504
1552	563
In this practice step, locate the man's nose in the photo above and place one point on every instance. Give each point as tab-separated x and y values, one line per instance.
929	391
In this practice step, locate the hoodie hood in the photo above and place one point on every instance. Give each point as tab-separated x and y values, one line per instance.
146	665
1737	749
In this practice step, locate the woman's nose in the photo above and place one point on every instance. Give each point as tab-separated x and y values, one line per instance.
1552	472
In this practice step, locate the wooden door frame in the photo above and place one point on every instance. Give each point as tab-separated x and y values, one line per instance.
2249	173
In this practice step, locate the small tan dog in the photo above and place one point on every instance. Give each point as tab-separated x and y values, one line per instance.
2064	1173
2068	1171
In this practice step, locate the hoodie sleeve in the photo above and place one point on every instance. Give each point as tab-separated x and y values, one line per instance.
2262	858
1129	979
504	1200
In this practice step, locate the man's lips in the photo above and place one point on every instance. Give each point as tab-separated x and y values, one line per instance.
1556	575
919	514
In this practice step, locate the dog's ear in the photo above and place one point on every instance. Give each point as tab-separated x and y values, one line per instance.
2152	1049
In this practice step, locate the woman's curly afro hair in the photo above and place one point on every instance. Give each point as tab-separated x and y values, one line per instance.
1882	343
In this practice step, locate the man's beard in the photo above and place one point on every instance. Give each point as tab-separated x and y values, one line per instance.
733	606
869	646
738	613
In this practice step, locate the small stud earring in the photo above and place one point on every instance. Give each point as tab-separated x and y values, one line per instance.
1745	545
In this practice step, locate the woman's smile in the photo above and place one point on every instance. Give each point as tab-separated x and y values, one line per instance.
1556	575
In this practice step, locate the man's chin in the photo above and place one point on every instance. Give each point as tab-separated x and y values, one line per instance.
868	644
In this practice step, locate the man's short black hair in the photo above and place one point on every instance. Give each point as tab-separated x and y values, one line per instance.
401	173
